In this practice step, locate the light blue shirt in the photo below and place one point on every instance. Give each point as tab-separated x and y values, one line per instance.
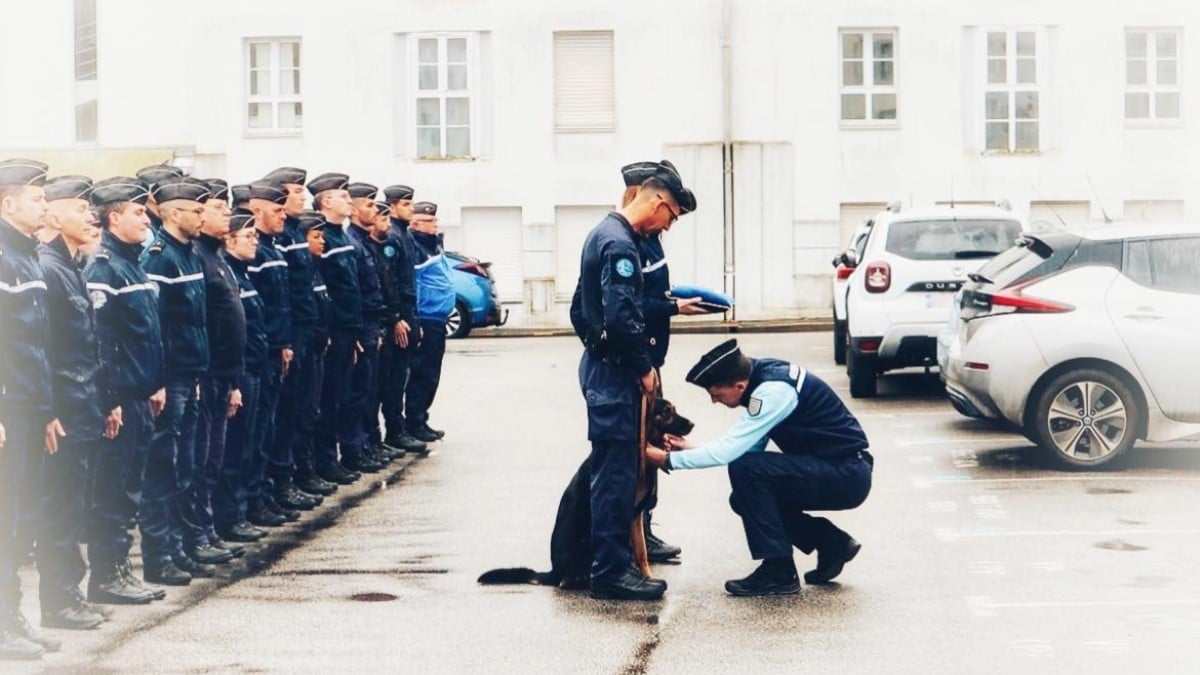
770	404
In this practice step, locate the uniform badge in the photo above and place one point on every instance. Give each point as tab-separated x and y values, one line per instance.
98	299
625	267
755	406
389	251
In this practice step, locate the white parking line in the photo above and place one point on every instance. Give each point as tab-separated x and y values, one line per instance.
985	602
949	534
908	443
962	478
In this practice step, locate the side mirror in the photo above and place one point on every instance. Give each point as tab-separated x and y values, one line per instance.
850	258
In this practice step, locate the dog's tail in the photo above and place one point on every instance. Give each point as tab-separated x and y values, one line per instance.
519	575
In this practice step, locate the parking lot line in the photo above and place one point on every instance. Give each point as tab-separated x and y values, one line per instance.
963	478
906	443
949	534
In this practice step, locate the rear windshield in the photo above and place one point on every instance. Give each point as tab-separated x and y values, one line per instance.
951	239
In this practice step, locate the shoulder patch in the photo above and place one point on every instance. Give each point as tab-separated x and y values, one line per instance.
98	299
389	251
755	406
624	267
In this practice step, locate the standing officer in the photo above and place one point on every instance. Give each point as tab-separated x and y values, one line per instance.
435	299
269	274
378	321
230	494
613	365
386	252
824	465
75	365
339	270
171	263
219	393
150	177
311	231
396	355
26	405
658	307
300	384
128	331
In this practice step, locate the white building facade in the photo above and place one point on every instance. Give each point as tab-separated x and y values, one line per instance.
791	120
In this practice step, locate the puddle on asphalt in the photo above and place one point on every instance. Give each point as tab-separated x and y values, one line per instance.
373	597
1118	545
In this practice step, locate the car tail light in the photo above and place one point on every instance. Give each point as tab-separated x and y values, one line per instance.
878	277
1012	301
867	345
479	269
844	272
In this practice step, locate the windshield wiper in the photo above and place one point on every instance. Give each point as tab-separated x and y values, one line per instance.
962	255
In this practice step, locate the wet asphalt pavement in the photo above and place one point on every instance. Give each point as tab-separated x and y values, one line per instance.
977	557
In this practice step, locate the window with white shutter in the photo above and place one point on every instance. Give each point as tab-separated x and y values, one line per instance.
584	98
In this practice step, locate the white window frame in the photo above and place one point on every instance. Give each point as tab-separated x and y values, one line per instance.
274	98
868	88
1152	87
1011	87
472	93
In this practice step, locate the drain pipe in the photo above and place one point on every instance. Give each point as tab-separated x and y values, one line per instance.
727	144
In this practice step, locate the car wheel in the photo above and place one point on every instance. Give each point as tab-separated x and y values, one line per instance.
1085	419
839	342
861	370
458	324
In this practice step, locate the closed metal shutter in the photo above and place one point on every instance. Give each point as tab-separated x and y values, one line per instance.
583	81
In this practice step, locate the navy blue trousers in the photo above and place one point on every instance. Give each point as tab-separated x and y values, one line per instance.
115	489
20	497
335	397
425	373
169	471
772	493
229	495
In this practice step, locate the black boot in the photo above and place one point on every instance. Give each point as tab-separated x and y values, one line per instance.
775	576
207	554
125	568
658	550
241	531
108	586
74	617
16	624
291	515
197	570
425	435
831	558
314	485
13	647
407	443
235	550
628	586
336	473
167	574
259	515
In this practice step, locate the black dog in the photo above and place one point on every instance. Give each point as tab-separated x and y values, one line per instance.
571	540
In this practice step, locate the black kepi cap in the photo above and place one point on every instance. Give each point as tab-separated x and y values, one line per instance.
119	189
217	188
261	189
286	174
311	220
716	365
240	219
192	189
15	172
68	187
393	193
327	181
362	190
424	211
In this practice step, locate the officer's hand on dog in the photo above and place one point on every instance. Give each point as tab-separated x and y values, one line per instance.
674	442
690	306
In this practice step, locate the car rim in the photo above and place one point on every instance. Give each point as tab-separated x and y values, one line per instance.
453	322
1087	421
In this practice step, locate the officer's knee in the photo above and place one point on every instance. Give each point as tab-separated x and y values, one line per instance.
742	469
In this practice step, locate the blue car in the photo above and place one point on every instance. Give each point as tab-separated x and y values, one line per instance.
476	303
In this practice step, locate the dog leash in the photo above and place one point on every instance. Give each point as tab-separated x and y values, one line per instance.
642	434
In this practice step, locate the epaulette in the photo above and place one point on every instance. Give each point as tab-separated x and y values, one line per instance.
102	254
156	247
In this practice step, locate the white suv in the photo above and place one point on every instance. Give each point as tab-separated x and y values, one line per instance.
843	267
903	285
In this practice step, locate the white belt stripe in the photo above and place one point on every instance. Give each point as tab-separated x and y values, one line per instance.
131	288
334	251
291	247
198	276
27	286
650	268
320	288
248	294
269	263
429	262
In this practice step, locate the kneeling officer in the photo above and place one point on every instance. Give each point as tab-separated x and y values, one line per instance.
824	465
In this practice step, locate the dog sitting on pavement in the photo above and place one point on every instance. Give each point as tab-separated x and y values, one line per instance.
571	539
